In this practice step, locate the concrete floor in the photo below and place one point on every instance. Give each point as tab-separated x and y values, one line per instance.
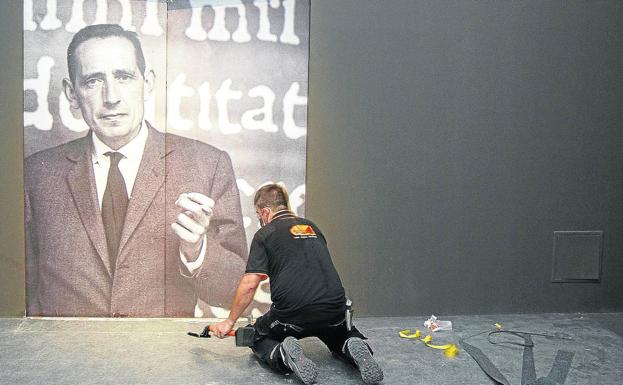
159	352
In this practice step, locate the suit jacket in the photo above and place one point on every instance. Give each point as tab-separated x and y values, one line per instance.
68	269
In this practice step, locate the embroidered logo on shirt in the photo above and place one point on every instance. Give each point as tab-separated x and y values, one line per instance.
303	231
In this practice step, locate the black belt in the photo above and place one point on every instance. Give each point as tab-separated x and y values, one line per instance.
557	374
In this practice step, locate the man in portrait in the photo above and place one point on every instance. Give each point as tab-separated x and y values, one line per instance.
127	221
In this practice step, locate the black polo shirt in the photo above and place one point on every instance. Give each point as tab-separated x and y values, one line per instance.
304	285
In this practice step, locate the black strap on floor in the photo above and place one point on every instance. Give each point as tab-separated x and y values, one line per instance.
560	369
557	374
485	364
528	373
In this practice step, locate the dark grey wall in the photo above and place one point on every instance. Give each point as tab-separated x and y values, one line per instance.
447	141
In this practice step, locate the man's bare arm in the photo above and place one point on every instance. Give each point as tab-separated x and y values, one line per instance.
243	297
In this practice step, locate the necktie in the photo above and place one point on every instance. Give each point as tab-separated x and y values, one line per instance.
114	205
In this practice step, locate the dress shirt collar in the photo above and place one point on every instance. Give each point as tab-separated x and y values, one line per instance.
132	151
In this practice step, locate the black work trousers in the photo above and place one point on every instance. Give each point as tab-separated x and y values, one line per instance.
270	332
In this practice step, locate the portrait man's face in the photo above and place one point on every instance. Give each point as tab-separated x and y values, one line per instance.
109	89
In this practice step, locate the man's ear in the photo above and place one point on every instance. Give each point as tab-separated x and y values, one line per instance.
148	86
70	93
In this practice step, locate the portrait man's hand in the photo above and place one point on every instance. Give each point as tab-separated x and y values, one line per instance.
192	222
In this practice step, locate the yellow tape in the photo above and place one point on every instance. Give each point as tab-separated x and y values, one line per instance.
449	350
440	347
407	334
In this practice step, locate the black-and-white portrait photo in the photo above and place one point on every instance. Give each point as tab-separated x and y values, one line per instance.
148	126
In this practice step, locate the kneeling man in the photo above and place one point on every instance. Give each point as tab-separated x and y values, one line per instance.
306	291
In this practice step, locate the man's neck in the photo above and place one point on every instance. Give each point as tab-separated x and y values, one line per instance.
135	145
116	143
282	214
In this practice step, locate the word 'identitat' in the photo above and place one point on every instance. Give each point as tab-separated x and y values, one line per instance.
260	118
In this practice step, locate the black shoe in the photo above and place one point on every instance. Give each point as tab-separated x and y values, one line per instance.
359	352
294	358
